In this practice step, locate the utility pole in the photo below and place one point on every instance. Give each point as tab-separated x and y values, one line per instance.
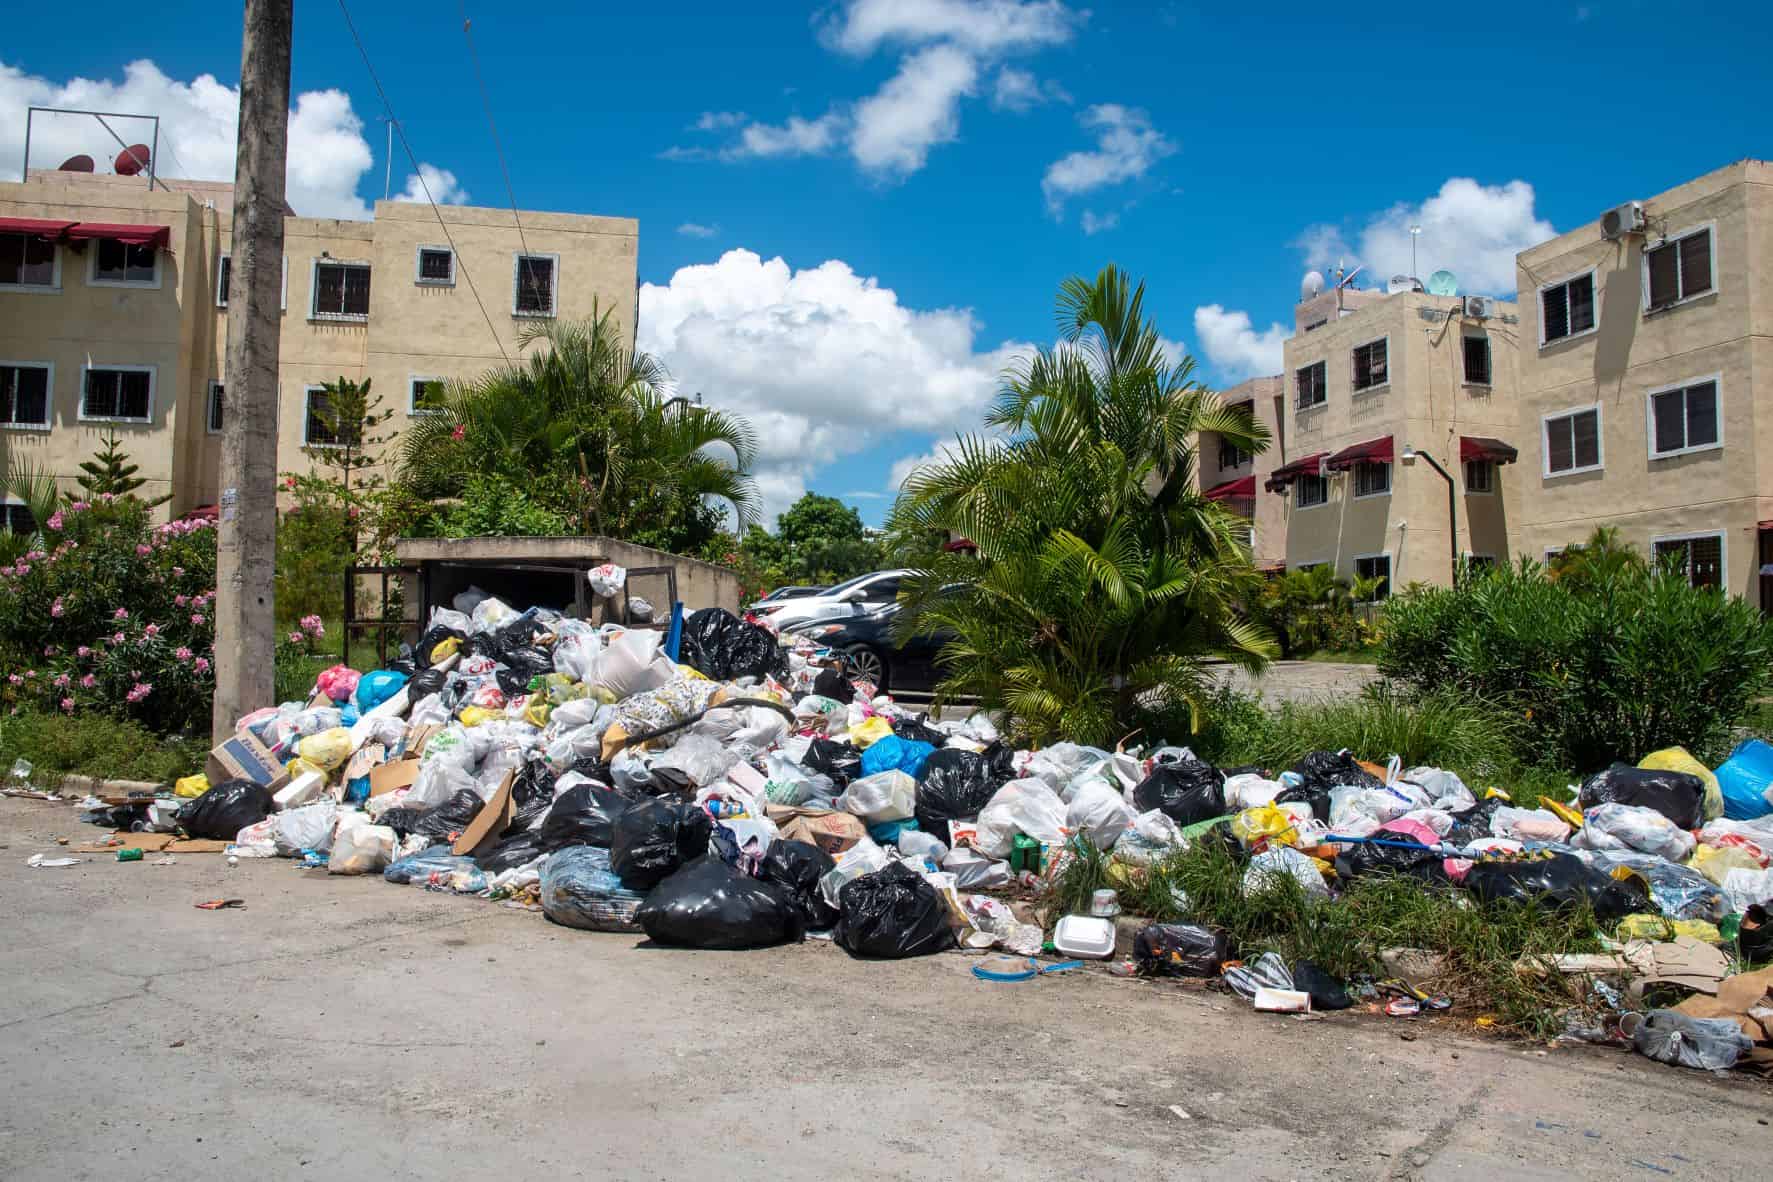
246	532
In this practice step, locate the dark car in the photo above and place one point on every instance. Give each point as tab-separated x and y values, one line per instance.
781	593
870	651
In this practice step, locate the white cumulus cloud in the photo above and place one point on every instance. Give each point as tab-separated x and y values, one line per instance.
918	108
1094	223
1020	91
1234	346
718	120
1471	229
981	26
796	137
824	362
697	230
1127	145
440	182
328	154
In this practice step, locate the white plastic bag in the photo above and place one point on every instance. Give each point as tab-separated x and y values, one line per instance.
1615	826
1062	761
361	849
1446	791
254	841
915	843
790	783
1027	806
428	711
442	617
576	651
632	664
491	613
702	759
1528	824
865	857
607	580
973	871
885	796
308	827
1349	805
1249	791
1744	888
1098	812
1284	860
1153	835
470	599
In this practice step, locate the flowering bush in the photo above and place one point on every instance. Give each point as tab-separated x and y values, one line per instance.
115	616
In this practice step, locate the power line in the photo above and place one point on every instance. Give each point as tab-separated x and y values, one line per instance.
498	149
423	184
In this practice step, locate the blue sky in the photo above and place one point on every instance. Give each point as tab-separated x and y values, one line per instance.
853	214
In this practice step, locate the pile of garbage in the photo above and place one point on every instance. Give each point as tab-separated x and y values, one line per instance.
724	788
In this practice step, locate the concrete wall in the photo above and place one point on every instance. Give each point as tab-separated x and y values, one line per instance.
1265	512
699	584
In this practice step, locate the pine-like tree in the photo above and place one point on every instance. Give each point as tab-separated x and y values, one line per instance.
110	470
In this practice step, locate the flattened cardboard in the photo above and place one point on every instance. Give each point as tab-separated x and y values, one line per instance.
417	737
243	757
389	776
491	821
364	760
154	843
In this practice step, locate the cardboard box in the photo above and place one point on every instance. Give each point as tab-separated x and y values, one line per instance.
245	758
416	738
491	821
399	773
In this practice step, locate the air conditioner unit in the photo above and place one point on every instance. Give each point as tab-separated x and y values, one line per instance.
1622	220
1478	307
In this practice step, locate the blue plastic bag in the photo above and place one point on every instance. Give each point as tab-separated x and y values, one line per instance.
893	754
375	688
887	832
579	890
1745	778
421	866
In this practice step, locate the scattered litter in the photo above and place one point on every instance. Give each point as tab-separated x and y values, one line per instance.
39	862
220	904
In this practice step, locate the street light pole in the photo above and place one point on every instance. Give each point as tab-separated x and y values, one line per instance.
1410	454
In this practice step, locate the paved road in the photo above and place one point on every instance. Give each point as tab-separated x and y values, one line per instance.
344	1028
1301	681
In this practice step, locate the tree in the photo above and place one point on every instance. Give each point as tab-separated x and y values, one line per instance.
816	519
825	541
110	472
1102	576
1593	563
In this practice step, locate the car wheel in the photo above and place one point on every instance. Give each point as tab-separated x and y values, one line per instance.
864	664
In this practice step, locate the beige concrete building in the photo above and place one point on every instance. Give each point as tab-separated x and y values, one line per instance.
113	314
1234	477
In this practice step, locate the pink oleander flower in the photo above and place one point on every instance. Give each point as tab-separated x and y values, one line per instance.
83	651
460	432
63	681
116	638
197	619
55	521
182	653
30	673
313	624
178	572
121	613
295	638
23	568
79	506
143	551
88	681
57	608
67	705
137	692
180	600
151	630
36	555
201	664
15	679
107	498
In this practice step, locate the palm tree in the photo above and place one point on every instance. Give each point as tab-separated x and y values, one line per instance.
1102	577
589	423
1590	564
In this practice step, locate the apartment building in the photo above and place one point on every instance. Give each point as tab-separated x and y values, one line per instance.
1233	476
1646	344
114	306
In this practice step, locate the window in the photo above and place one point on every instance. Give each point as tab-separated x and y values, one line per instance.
341	290
1700	557
1677	270
124	263
1477	361
1684	419
225	273
321	426
881	590
436	267
1315	325
1369	365
119	392
1371	480
1230	455
1311	385
214	423
1573	441
1375	566
1309	491
30	262
1566	309
1480	476
534	281
24	394
16	519
423	395
1479	563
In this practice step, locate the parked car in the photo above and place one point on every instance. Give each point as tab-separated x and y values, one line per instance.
781	593
860	594
871	652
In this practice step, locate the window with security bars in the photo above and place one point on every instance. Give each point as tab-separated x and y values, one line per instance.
437	266
16	519
322	427
1701	559
534	291
215	408
341	290
1230	455
1377	566
1309	491
1567	309
1370	365
1679	269
1477	361
1311	385
1685	419
1573	442
26	260
117	394
1371	480
24	396
1480	476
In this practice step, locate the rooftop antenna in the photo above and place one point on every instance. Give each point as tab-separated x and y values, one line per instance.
1415	233
1443	283
388	174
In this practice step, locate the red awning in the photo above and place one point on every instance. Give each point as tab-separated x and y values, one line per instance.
1764	525
155	236
1244	486
960	544
37	227
1480	447
1287	473
1373	451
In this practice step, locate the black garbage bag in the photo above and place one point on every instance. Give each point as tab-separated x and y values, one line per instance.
222	812
1755	937
708	904
1559	879
518	849
520	666
1676	795
424	683
723	646
833	684
797	867
521	630
584	814
1361	860
1000	757
1187	792
403	665
919	730
1246	769
1321	771
893	913
840	761
653	837
440	821
1180	950
1327	992
953	786
433	637
1474	823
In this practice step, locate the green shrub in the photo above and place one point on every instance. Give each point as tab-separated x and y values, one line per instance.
313	550
96	745
1597	669
492	507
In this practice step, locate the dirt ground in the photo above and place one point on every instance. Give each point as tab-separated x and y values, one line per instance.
345	1028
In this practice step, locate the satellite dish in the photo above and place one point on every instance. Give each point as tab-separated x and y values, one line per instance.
76	164
131	160
1400	283
1443	283
1311	285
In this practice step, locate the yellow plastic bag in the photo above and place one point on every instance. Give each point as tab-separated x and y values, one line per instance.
328	749
1644	926
475	715
536	713
298	767
195	785
445	649
869	732
1716	861
1676	759
1264	824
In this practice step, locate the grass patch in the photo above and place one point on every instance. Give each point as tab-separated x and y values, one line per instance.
1345	656
96	745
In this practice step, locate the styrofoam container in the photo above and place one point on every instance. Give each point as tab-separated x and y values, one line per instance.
1085	936
300	791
